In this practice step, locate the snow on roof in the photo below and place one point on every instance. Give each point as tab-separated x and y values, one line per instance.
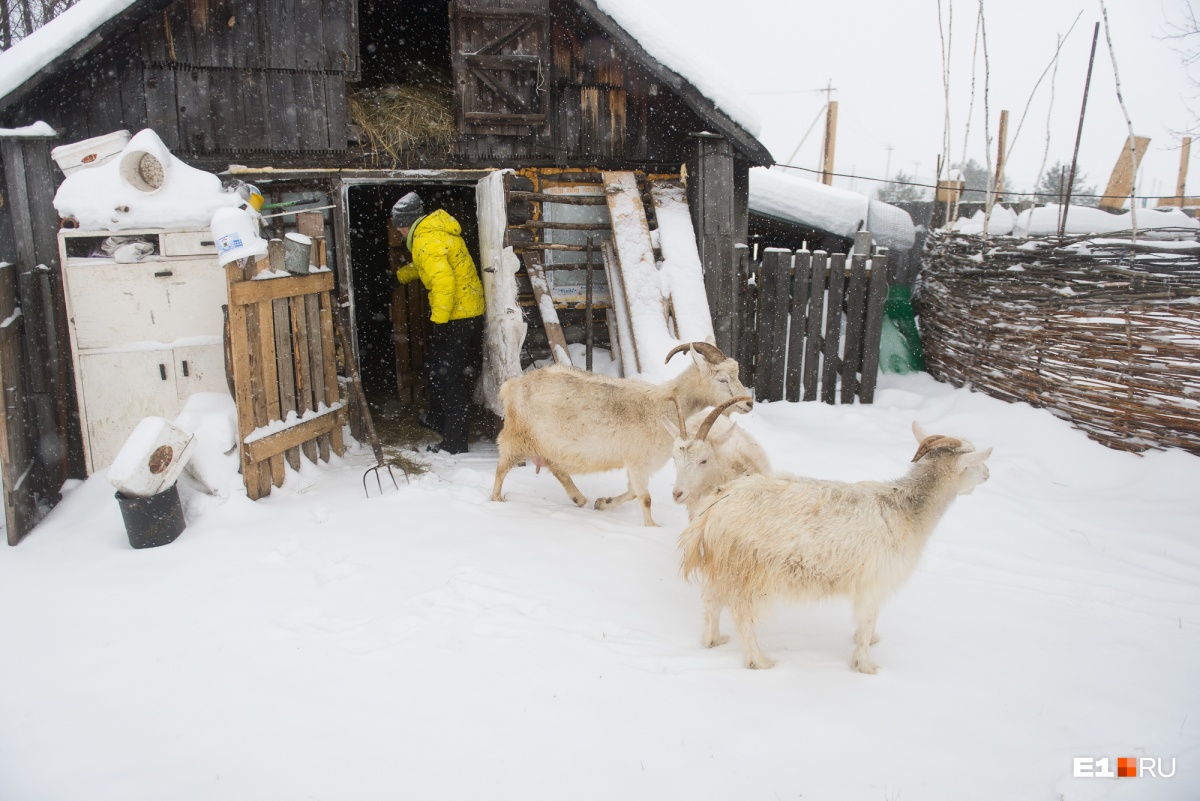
662	41
824	208
37	129
37	50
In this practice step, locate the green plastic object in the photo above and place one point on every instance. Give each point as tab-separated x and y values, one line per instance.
900	348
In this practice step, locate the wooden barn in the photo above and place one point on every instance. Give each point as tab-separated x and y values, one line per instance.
532	121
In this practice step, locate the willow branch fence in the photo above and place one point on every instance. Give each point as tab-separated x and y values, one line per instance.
1103	332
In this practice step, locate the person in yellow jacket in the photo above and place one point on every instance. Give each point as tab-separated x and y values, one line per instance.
441	260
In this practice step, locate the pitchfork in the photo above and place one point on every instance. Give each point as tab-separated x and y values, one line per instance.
361	399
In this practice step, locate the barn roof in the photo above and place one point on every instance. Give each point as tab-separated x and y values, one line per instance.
85	26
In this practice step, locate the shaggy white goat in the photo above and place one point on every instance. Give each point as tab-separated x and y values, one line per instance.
762	537
720	451
571	421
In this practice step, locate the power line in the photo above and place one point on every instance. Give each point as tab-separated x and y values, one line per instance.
982	190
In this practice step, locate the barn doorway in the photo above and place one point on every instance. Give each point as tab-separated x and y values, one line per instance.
392	319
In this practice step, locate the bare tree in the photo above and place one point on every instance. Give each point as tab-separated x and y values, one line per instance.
19	18
1184	33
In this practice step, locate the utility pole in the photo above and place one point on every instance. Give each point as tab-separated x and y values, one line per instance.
1181	182
831	109
887	169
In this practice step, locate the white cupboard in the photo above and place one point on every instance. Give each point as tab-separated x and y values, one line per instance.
144	336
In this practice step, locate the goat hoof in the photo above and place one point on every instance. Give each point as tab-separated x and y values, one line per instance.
580	501
497	497
762	663
715	641
601	503
865	666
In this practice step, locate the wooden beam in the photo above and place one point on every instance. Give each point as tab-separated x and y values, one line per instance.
1001	144
247	293
1181	183
830	143
273	445
545	305
1120	183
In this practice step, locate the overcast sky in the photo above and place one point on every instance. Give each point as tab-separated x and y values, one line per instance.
883	57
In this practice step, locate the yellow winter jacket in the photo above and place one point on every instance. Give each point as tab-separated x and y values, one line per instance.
440	259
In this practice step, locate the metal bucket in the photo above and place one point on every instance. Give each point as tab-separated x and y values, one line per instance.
297	253
154	520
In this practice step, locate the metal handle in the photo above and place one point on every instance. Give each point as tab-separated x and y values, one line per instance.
163	274
185	370
162	371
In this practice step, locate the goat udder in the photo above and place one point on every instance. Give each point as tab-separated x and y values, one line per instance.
538	464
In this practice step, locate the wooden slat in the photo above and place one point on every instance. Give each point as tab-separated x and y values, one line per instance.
283	349
272	445
243	401
303	372
251	292
876	301
258	370
638	270
833	327
856	301
812	344
772	322
316	363
545	306
332	393
801	289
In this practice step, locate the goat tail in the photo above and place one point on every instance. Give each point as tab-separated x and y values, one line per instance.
693	549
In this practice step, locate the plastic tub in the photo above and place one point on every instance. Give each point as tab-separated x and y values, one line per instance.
90	152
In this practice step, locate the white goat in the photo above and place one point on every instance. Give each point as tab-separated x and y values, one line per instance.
761	537
720	452
571	421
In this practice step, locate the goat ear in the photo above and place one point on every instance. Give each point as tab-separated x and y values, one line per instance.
672	429
699	360
919	432
710	339
974	458
719	439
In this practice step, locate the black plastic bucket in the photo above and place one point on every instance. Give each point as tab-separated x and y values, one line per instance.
154	520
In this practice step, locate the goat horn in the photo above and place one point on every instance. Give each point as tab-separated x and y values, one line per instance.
936	442
711	353
717	412
682	420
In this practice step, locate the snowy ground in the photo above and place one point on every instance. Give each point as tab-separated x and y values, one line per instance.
431	644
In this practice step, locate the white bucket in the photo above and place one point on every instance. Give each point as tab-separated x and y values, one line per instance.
145	162
235	233
90	152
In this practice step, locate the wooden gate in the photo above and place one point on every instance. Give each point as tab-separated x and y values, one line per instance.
285	381
16	440
798	305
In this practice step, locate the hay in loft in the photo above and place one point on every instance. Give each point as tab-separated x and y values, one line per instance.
399	118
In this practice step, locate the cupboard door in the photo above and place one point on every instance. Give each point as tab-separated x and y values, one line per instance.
119	389
156	301
200	368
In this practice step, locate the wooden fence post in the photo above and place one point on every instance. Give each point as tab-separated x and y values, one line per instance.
812	343
801	294
876	301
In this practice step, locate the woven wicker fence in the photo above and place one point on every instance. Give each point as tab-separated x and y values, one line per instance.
1103	332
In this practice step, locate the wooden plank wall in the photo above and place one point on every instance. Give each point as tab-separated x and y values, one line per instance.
711	193
801	302
273	81
16	434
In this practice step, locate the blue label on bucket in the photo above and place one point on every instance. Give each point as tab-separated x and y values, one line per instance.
229	242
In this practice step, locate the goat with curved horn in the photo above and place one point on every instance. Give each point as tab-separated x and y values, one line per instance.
707	425
711	353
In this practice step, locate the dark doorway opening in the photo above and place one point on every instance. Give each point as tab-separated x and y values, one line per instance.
392	319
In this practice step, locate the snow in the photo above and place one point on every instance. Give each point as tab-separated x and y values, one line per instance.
37	50
100	200
659	38
37	129
774	193
504	324
427	642
1085	220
